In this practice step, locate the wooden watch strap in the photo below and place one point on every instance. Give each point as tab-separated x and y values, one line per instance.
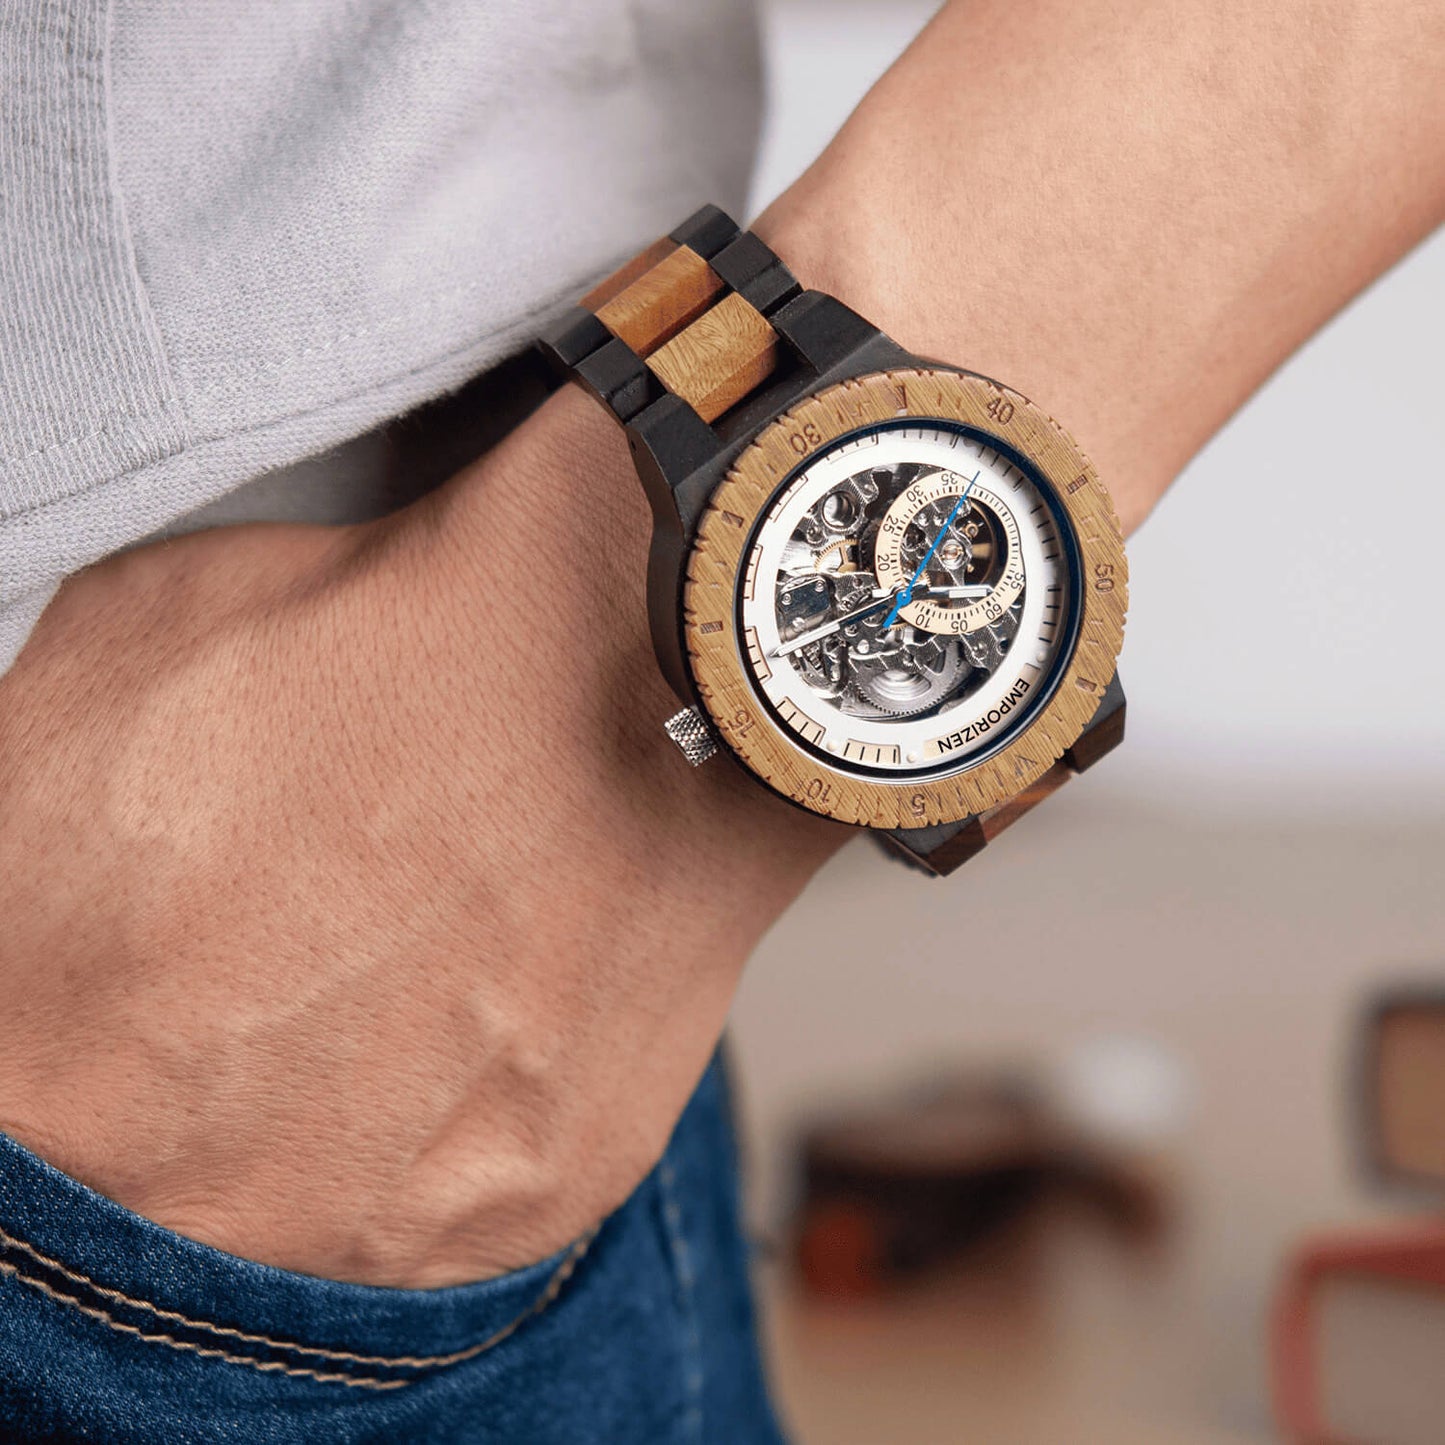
676	338
726	353
997	819
944	847
689	315
650	299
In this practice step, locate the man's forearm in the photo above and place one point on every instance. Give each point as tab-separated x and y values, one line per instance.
503	959
1131	213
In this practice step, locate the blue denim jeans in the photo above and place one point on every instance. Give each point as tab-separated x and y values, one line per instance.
114	1329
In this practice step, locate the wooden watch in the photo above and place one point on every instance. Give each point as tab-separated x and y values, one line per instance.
894	591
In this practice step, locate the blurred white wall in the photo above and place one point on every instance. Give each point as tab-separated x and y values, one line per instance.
1319	677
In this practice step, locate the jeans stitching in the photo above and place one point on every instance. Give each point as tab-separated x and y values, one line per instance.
160	1338
559	1277
687	1283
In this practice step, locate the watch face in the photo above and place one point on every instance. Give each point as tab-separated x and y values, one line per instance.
907	599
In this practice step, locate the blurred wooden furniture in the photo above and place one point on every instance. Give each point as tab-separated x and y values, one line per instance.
1401	1077
895	1189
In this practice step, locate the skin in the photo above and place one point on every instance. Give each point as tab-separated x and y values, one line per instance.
341	935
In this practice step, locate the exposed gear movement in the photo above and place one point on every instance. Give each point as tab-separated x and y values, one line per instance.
827	574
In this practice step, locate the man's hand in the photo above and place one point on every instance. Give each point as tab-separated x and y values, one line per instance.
359	917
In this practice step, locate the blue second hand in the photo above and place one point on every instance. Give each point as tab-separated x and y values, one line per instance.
906	595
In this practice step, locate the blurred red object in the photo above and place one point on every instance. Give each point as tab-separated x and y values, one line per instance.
1359	1339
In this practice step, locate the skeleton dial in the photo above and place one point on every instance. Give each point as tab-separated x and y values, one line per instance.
907	601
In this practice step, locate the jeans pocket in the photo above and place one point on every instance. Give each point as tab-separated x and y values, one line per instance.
82	1268
114	1329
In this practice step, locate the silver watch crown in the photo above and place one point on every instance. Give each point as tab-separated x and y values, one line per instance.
694	738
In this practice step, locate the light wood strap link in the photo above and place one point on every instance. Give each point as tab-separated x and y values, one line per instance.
651	306
714	363
698	321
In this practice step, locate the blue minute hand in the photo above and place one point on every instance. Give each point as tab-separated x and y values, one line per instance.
906	595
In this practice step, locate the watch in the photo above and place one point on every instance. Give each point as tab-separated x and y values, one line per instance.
893	590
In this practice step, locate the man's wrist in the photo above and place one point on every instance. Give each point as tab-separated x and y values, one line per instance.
1103	220
884	283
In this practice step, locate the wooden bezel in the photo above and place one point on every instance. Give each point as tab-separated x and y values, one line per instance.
710	629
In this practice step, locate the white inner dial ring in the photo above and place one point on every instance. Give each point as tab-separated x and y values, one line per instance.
819	579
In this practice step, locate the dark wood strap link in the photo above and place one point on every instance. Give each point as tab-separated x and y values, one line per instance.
946	846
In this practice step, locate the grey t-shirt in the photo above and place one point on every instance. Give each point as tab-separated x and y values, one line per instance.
234	237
